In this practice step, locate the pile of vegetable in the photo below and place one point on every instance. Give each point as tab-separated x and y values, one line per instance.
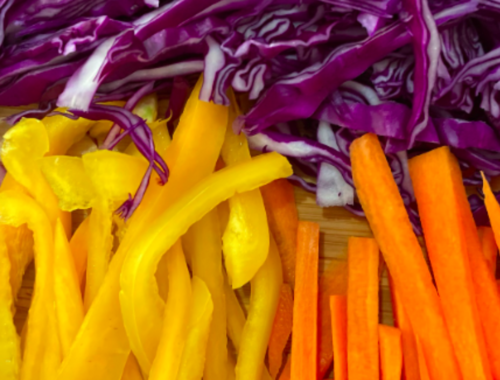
311	75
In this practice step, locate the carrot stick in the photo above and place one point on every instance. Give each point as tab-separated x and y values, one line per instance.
498	285
386	213
391	356
286	374
447	249
489	247
487	297
279	200
408	340
338	308
422	364
282	328
362	309
305	308
333	281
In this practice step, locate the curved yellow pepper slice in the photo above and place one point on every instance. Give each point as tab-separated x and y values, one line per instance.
191	157
246	237
42	353
79	249
10	350
203	244
263	304
132	370
69	306
194	356
138	295
23	146
177	308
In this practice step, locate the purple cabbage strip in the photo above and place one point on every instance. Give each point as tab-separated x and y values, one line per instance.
301	182
141	136
384	8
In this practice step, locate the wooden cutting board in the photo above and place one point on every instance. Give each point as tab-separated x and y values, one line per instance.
337	225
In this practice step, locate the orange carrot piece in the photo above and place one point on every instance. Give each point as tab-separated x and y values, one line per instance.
422	364
489	247
447	249
391	356
282	328
389	221
333	281
408	340
498	285
338	309
487	297
286	374
279	200
305	307
362	309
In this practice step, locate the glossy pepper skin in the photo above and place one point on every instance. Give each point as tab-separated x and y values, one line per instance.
42	353
246	236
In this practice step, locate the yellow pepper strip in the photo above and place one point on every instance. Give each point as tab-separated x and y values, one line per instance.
63	132
42	353
85	145
246	237
191	157
69	305
147	108
23	146
19	242
263	303
173	339
132	370
80	248
10	351
9	183
193	358
202	241
139	295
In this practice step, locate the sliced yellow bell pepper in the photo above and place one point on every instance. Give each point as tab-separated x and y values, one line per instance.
203	244
194	356
132	370
139	295
79	249
263	304
69	305
10	351
101	348
177	309
191	157
147	108
246	237
63	132
23	147
42	352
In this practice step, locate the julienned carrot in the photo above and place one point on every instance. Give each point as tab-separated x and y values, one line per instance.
408	341
389	221
338	309
362	309
487	297
391	357
422	364
285	374
447	249
333	281
282	328
498	285
489	246
305	308
279	200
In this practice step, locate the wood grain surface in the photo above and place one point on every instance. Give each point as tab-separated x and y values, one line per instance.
336	225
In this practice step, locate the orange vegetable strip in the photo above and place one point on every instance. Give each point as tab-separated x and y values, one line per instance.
305	308
362	309
279	200
487	297
424	373
498	285
79	248
338	308
411	369
282	328
489	246
386	213
286	373
333	281
391	356
444	235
